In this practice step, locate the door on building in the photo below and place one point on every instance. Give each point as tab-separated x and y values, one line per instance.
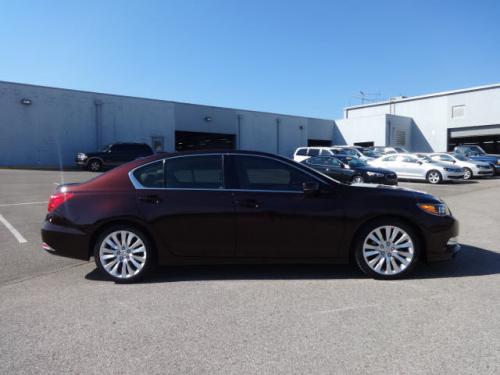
488	137
364	144
190	141
157	143
319	143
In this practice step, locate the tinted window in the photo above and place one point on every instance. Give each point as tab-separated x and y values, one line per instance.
408	159
259	173
313	152
150	175
301	151
325	152
316	160
446	158
194	172
389	158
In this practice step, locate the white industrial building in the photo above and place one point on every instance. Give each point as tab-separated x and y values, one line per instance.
434	122
44	126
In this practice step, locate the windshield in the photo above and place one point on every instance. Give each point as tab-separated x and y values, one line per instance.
477	150
461	157
426	159
106	148
357	163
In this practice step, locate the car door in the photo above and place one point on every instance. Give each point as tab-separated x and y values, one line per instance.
117	154
190	211
275	219
411	166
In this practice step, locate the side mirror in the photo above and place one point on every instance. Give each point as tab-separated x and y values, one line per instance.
310	188
419	162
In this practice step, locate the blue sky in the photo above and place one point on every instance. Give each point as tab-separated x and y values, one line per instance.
300	57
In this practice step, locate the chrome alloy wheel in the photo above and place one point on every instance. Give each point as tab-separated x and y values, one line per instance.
388	250
357	180
122	254
467	174
95	165
434	177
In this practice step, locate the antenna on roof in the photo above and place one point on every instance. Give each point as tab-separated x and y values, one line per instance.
368	97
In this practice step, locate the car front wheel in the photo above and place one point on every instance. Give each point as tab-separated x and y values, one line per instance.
357	179
94	165
387	249
434	177
467	173
123	254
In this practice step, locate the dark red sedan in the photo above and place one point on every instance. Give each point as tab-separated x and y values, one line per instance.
242	207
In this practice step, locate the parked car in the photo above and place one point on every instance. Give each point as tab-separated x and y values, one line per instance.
112	155
350	151
477	153
472	168
334	168
385	150
412	167
369	173
242	207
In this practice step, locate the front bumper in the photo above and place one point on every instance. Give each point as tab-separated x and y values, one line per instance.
65	241
381	180
442	240
447	176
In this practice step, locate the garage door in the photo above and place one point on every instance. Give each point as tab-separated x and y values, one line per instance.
488	137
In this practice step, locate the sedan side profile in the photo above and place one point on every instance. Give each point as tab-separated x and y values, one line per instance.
411	167
472	168
242	207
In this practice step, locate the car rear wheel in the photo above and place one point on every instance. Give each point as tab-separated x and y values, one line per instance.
357	179
387	249
123	254
434	177
467	173
94	165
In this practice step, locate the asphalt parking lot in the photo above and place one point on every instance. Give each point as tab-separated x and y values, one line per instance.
58	315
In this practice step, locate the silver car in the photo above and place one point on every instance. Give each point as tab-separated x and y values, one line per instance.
472	168
412	167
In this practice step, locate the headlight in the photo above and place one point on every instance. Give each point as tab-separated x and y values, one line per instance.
375	174
439	209
498	161
81	156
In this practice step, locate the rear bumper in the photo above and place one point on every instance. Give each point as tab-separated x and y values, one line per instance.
65	241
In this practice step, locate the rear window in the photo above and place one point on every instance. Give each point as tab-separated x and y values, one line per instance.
301	151
151	175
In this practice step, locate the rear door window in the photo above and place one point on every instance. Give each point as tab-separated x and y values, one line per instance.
194	172
313	152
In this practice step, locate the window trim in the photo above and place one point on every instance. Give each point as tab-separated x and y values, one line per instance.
138	186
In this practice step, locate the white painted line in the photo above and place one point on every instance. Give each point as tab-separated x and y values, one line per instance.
21	204
13	230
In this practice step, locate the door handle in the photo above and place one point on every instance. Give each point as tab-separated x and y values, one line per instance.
248	203
150	198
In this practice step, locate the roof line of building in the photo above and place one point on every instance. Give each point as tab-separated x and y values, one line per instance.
426	96
160	100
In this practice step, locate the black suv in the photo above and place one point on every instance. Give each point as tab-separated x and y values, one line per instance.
112	155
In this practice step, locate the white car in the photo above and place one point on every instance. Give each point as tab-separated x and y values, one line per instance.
472	168
411	167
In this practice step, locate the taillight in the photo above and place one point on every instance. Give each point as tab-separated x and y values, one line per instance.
57	199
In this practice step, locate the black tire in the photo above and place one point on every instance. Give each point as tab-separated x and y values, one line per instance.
363	261
149	261
94	165
358	179
434	177
468	173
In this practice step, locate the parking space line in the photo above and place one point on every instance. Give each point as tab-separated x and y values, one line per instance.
13	230
20	204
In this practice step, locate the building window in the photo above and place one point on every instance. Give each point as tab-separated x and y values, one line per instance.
457	111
